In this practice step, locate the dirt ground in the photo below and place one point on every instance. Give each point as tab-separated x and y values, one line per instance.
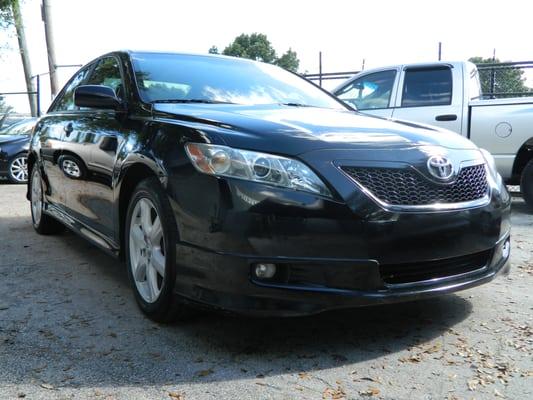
69	328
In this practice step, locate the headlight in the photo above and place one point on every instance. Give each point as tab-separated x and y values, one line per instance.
253	166
491	163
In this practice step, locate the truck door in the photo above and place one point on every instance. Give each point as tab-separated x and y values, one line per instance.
427	96
371	93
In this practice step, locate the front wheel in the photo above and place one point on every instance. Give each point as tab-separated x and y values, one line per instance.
17	171
526	184
42	223
150	247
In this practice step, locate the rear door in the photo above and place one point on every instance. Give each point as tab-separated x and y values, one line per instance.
427	95
371	93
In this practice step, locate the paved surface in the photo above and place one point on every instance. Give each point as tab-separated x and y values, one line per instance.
69	328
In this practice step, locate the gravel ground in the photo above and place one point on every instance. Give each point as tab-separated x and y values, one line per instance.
69	328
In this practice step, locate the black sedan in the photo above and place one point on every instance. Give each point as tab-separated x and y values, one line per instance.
14	143
236	184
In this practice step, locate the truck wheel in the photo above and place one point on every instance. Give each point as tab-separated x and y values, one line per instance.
526	184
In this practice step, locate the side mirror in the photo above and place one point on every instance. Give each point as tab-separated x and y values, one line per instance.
96	96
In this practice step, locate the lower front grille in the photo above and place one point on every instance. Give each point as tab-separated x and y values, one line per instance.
407	187
424	271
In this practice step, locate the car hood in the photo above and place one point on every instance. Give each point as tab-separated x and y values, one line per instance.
297	130
5	139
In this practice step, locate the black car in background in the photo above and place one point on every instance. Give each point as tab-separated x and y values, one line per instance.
14	144
236	184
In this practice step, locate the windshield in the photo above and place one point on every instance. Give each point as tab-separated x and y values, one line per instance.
164	77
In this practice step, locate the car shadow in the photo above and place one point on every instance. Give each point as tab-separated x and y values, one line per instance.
69	319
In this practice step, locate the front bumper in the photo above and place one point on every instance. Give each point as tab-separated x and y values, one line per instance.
226	281
333	253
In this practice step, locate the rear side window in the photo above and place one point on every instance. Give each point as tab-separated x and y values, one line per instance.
427	87
369	92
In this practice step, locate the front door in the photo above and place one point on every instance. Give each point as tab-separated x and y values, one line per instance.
89	154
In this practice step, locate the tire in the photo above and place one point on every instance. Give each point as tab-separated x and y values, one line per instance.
150	237
17	170
42	223
526	184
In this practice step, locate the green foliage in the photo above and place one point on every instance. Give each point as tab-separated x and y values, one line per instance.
289	61
6	15
256	46
505	80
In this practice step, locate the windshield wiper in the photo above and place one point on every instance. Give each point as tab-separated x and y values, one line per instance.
188	101
295	105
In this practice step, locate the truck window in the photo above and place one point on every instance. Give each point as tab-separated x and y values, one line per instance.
427	87
371	91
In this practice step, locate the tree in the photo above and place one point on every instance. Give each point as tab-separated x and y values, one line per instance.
289	61
509	80
4	111
10	15
256	46
213	50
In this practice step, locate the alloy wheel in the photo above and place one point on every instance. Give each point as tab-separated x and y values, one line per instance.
147	250
19	169
36	196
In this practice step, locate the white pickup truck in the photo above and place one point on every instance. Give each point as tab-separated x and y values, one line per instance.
448	95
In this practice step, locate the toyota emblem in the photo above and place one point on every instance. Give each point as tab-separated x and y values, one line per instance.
440	167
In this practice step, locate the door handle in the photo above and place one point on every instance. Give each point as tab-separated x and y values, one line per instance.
446	117
68	129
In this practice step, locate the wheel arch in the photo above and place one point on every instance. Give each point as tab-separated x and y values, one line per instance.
523	156
129	178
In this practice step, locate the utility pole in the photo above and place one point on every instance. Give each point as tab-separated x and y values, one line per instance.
440	51
320	68
52	66
24	55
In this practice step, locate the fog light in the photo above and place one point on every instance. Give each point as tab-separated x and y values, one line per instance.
506	249
265	271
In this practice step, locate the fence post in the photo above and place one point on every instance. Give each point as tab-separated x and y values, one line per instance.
38	95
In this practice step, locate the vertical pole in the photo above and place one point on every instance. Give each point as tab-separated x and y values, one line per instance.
363	66
52	66
493	76
38	95
320	68
24	54
440	51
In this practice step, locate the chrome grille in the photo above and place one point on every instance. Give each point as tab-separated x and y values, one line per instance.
407	187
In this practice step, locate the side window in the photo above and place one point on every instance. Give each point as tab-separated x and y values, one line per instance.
107	73
371	91
427	87
66	101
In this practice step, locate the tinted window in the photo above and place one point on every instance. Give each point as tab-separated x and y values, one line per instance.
188	77
427	87
370	91
66	100
107	73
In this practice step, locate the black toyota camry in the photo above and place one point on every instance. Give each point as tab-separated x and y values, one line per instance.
235	184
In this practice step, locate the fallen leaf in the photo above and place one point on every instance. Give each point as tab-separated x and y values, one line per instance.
371	391
47	386
205	372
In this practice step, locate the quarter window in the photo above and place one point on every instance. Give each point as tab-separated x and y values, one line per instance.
66	101
427	87
369	92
